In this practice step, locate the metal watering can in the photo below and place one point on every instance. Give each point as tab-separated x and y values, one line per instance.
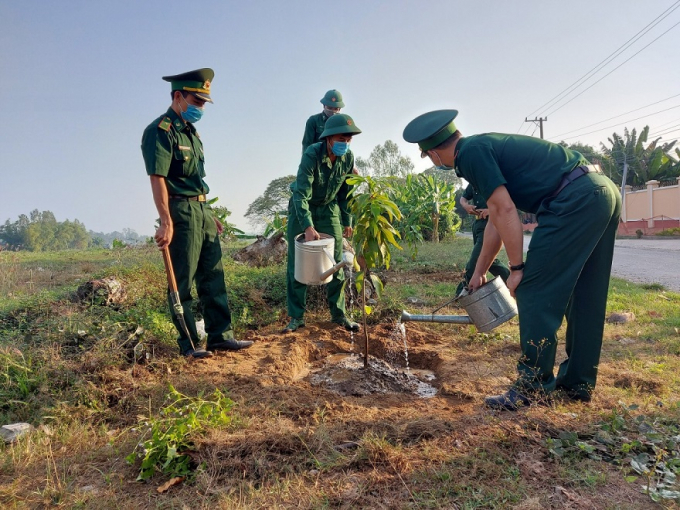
314	261
488	307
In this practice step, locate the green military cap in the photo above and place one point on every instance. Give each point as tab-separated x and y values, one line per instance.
430	129
333	98
340	124
197	82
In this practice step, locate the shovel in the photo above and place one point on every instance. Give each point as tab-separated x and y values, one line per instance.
176	303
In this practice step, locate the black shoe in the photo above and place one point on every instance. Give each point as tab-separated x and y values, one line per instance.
576	395
229	345
346	323
197	353
511	400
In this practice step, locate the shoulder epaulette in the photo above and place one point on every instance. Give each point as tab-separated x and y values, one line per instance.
165	124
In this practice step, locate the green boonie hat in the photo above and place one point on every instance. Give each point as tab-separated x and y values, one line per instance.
340	124
333	98
197	82
430	129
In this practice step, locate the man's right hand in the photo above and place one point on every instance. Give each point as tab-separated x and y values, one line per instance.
470	209
311	234
163	235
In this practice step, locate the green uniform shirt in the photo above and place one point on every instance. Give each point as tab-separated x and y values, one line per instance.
319	183
530	168
470	194
173	149
313	130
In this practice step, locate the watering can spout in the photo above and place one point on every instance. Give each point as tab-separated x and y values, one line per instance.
347	261
449	319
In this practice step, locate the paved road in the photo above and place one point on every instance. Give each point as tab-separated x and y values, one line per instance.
645	261
648	261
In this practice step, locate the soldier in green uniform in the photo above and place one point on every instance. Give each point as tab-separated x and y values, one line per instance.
173	155
319	204
475	205
568	265
332	103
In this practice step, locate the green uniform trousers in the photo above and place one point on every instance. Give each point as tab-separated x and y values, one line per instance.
197	256
326	219
497	268
567	272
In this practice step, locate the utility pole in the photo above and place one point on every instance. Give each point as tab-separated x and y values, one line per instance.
625	176
539	121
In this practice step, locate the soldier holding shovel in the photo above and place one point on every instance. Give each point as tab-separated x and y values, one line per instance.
173	155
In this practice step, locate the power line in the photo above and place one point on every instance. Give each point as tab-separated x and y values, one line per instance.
610	72
617	116
620	123
666	123
665	131
613	55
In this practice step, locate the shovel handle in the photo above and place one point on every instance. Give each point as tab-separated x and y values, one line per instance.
169	271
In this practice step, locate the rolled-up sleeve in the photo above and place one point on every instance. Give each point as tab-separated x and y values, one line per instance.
302	191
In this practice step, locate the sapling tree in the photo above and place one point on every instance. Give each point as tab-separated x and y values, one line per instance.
374	234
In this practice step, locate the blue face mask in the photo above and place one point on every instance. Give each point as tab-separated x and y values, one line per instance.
192	113
340	148
442	166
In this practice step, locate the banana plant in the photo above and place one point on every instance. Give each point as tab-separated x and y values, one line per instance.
374	234
276	226
222	213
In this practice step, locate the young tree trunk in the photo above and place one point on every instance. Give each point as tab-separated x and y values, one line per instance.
435	228
365	328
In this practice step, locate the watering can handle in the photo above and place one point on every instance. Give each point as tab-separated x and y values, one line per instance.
329	255
463	293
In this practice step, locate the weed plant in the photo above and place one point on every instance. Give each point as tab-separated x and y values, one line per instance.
167	440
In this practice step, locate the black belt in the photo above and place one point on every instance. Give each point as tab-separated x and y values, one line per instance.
197	198
577	172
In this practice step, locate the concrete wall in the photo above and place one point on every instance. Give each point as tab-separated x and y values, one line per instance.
651	209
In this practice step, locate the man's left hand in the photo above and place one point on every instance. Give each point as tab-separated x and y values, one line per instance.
347	232
514	280
220	227
476	281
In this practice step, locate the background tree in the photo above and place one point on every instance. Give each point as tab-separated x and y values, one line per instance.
273	202
645	163
385	161
40	231
447	176
427	205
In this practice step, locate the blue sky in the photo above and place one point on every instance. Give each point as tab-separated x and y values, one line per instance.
80	80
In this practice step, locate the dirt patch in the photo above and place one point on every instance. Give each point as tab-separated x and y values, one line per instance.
642	384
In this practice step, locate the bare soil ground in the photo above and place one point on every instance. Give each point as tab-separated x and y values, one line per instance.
377	450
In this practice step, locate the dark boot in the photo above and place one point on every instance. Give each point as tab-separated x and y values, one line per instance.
346	323
229	345
511	400
197	353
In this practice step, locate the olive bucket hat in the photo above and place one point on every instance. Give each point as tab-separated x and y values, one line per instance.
340	124
333	98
